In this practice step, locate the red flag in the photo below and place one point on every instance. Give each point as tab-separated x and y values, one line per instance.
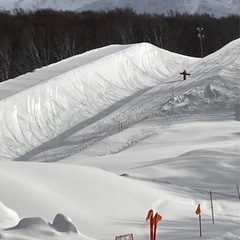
198	210
157	218
150	218
149	215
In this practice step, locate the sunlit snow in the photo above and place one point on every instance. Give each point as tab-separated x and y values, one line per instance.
90	144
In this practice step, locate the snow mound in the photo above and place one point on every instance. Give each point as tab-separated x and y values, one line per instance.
8	217
61	223
64	224
36	228
31	223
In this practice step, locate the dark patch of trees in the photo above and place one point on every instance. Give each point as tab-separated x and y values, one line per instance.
30	40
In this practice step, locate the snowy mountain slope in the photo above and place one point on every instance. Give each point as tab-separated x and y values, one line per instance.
216	7
60	104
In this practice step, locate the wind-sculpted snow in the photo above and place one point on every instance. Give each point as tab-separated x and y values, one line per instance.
36	228
8	217
40	113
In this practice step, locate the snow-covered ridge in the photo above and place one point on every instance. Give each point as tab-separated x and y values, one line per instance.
216	7
60	102
108	79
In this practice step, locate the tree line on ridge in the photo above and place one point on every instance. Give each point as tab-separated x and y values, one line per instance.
30	40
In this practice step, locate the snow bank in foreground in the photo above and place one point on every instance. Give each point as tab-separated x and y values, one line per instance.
61	223
92	197
38	228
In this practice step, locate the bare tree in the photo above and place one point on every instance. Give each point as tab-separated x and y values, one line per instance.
5	58
64	46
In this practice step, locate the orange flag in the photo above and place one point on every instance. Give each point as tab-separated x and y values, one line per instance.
198	210
150	218
157	218
149	215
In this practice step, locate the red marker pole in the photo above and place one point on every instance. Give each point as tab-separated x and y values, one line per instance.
150	218
198	212
155	231
157	218
200	224
151	229
212	206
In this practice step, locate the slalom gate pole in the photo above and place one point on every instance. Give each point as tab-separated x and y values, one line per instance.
212	206
155	231
238	192
200	225
150	218
151	229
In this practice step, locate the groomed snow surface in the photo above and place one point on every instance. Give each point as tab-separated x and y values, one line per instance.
90	144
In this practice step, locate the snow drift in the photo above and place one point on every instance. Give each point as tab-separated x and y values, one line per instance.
39	228
8	217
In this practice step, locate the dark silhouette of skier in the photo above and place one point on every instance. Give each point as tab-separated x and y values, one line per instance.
185	73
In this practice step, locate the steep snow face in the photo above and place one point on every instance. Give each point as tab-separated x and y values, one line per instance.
216	7
56	104
41	75
212	85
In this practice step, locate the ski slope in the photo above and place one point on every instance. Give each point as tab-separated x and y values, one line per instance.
103	137
65	99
